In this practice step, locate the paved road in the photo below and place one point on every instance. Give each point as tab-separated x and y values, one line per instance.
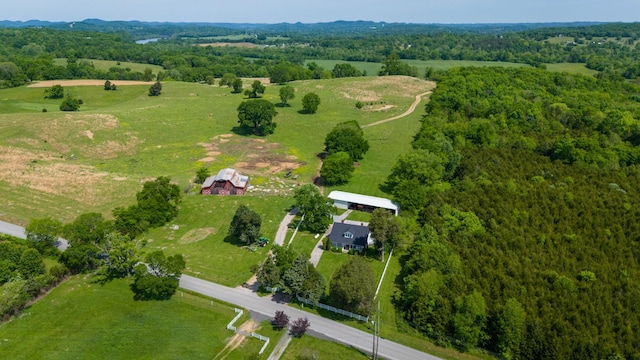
18	231
327	328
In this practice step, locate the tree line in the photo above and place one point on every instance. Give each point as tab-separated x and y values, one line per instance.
520	221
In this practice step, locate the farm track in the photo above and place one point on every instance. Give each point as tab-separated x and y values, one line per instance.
411	109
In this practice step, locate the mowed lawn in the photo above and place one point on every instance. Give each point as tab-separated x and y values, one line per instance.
82	319
202	236
308	347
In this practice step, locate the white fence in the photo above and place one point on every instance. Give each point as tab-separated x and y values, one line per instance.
334	309
231	327
230	324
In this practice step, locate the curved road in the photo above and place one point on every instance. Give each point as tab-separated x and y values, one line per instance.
327	328
409	111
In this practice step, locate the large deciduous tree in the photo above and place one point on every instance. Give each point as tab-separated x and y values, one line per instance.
353	286
31	264
269	273
44	234
54	92
384	228
337	168
347	137
310	103
122	255
256	91
315	207
345	70
287	93
158	279
245	225
257	115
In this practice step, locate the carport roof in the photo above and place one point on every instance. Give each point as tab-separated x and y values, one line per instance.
363	200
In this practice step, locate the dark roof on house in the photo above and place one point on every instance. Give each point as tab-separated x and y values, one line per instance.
340	232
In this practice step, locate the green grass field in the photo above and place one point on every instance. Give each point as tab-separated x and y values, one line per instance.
202	236
83	319
573	68
108	64
307	347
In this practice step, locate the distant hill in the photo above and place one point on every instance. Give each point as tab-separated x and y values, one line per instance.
140	29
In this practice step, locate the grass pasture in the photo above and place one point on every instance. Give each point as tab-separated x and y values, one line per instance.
114	326
573	68
371	68
105	65
202	238
307	347
121	138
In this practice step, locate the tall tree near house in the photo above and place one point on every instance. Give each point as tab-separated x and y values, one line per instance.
245	225
353	286
269	273
314	206
384	228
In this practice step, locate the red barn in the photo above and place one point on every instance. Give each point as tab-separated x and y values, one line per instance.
226	182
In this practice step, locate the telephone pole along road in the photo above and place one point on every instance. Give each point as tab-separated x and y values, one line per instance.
331	329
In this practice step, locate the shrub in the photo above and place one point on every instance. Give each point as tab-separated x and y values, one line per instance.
281	320
300	327
44	109
359	105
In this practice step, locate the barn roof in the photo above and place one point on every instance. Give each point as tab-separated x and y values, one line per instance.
363	200
227	174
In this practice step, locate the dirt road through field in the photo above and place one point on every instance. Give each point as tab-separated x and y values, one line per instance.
406	113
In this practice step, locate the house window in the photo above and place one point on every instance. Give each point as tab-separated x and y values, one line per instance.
348	235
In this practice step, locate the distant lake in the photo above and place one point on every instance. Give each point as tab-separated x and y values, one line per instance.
147	41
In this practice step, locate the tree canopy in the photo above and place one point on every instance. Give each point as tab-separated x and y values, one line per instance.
257	115
353	286
287	93
310	103
245	225
315	207
337	168
347	137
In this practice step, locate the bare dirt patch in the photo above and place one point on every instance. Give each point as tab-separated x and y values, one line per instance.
379	107
374	89
196	235
255	157
89	134
41	171
85	82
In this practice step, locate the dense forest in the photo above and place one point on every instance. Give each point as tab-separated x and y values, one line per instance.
524	187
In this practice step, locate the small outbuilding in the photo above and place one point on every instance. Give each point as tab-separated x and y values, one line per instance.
346	200
225	182
349	236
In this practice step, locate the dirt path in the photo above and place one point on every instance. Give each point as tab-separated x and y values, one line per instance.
406	113
237	339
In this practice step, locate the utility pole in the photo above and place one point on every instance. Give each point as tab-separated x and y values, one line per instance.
376	335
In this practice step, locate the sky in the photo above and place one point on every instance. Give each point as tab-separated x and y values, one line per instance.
277	11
